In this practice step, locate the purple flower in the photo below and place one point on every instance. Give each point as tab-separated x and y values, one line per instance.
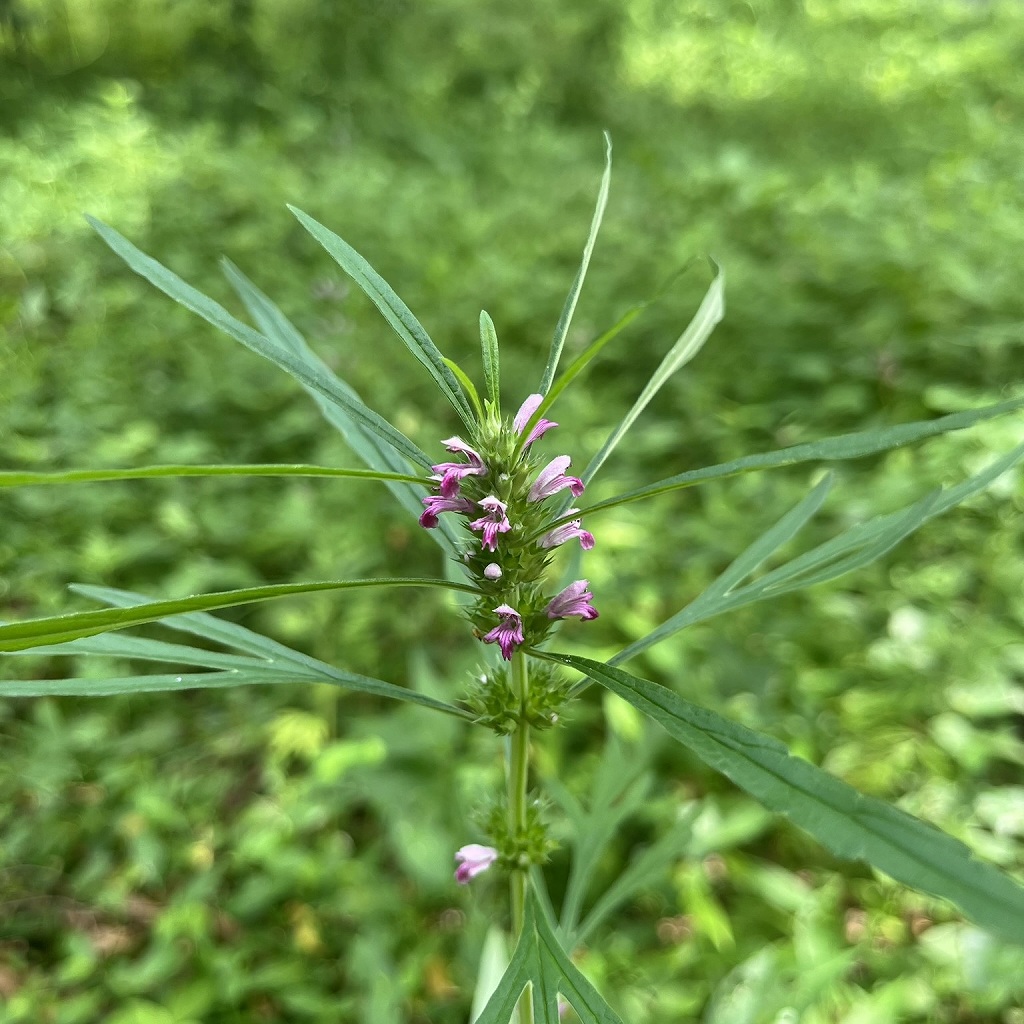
552	479
493	523
526	410
473	860
574	600
492	571
509	632
560	534
451	473
438	503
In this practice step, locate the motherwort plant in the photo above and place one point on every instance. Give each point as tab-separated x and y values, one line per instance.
499	510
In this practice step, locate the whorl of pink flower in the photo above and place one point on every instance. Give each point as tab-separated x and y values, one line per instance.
574	600
551	479
495	522
567	531
438	503
508	634
473	860
526	410
451	473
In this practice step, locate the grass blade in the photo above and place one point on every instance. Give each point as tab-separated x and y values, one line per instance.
214	313
565	318
846	822
395	311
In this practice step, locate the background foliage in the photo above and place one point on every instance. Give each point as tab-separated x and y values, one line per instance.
285	854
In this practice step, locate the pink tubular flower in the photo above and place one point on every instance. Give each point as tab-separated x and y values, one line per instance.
552	479
438	503
493	523
560	534
509	632
574	600
526	410
451	473
473	860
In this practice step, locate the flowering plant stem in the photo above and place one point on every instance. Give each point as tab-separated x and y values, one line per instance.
518	781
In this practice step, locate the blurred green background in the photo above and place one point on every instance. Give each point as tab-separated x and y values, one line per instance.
286	855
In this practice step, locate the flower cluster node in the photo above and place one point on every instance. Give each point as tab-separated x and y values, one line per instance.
501	496
473	860
514	850
497	707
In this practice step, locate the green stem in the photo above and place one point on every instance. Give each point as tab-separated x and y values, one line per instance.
518	780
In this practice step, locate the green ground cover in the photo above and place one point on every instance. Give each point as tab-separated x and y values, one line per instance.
285	854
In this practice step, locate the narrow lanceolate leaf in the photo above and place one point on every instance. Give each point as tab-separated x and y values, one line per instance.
148	683
689	343
260	651
565	319
395	311
852	549
576	367
489	355
374	452
233	670
846	822
467	386
19	636
17	478
214	313
540	961
833	449
138	648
